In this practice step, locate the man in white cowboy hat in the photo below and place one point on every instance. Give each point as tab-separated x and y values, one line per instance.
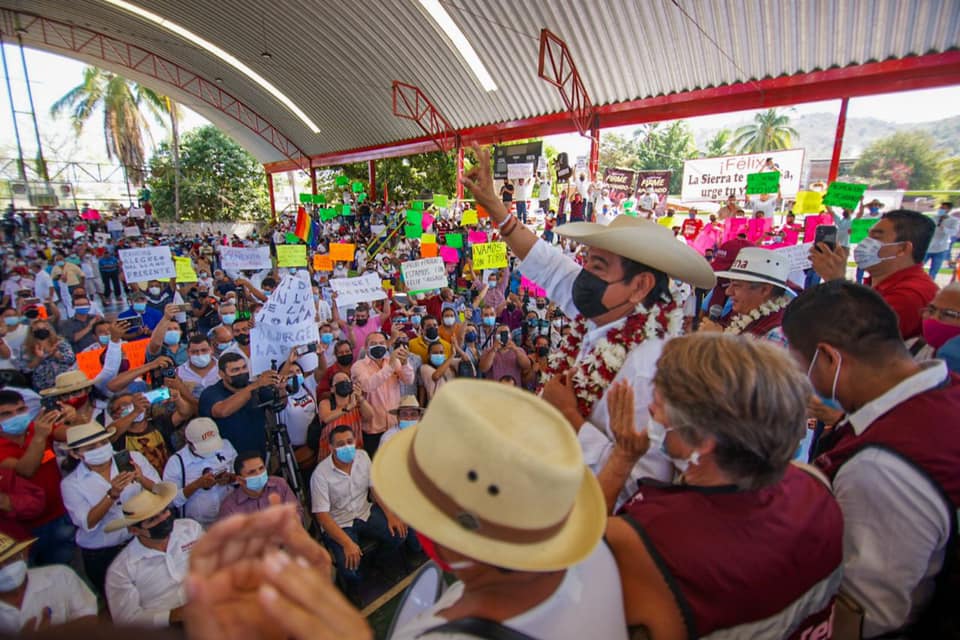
202	471
145	583
760	292
493	480
622	308
39	596
408	414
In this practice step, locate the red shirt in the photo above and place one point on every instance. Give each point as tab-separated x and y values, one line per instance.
691	227
908	291
47	477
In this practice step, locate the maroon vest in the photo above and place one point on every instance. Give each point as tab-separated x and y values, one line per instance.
765	324
735	557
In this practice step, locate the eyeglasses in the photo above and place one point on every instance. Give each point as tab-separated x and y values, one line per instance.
940	313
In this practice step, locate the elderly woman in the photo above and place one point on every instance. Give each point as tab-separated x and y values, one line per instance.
46	355
743	543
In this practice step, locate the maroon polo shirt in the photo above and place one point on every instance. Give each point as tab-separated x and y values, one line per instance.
908	291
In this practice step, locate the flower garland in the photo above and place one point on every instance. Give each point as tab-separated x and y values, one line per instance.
593	375
744	320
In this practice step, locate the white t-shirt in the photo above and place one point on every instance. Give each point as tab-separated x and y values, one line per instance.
57	587
593	587
300	411
197	382
14	339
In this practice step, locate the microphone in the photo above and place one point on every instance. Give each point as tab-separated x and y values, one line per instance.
715	312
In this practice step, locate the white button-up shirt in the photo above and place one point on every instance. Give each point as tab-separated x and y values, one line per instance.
549	268
943	234
144	585
343	496
56	587
204	504
895	526
83	489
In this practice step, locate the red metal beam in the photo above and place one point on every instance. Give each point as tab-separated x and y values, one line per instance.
273	202
372	175
556	66
890	76
459	170
313	180
594	162
59	36
838	141
411	103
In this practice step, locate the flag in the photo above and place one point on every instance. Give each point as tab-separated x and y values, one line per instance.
314	233
302	229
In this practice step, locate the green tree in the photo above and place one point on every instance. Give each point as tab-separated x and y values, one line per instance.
950	170
124	105
770	131
220	180
652	146
719	144
902	160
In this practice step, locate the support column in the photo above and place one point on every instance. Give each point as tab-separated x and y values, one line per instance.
594	150
838	141
372	174
273	202
313	180
459	168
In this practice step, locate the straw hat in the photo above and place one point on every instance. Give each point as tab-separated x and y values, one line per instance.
68	382
754	264
10	546
646	242
494	473
144	506
407	402
83	434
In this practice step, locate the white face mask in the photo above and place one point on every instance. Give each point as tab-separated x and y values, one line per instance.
867	253
98	456
12	575
658	436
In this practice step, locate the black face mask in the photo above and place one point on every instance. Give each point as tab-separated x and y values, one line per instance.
293	385
378	351
240	380
543	351
243	339
588	292
431	334
343	388
540	305
511	307
41	334
160	530
360	322
345	360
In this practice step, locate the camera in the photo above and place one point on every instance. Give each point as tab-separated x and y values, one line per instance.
49	403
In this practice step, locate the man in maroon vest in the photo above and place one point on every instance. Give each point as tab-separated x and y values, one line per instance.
894	459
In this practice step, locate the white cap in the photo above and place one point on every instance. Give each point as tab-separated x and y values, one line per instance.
204	435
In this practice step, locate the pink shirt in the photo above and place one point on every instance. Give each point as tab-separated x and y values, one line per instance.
381	388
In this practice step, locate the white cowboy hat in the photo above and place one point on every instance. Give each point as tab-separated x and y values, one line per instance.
68	382
407	402
144	506
83	434
496	474
10	546
646	242
754	264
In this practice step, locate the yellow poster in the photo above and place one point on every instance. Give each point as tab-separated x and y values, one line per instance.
185	272
291	255
469	217
490	255
808	202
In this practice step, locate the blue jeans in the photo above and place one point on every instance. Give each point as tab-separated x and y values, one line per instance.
522	210
936	261
860	273
55	542
374	527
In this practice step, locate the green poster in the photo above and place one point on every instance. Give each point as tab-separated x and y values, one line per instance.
345	210
844	195
768	182
342	181
357	187
414	217
417	205
306	198
362	197
328	213
441	201
413	231
319	199
860	228
291	238
454	240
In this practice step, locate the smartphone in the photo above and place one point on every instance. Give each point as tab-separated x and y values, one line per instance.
185	307
826	234
157	395
133	324
123	461
50	403
504	338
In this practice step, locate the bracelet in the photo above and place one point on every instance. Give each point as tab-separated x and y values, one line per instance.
506	220
506	232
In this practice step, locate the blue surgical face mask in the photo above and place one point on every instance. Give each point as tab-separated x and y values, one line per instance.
11	321
403	424
171	337
104	340
415	319
228	318
16	425
223	346
256	483
326	338
346	453
437	359
833	402
82	311
139	307
489	321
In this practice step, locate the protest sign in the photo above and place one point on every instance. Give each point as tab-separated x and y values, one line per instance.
412	231
132	232
357	187
322	263
844	195
428	238
428	273
733	226
414	217
860	229
364	288
342	251
441	201
454	240
114	225
306	198
286	320
291	255
766	182
477	237
520	171
657	183
797	255
449	255
490	255
342	181
345	210
319	199
808	202
427	221
429	250
810	224
417	205
291	238
101	237
185	272
531	287
234	259
757	229
620	184
712	179
362	197
137	212
469	216
148	263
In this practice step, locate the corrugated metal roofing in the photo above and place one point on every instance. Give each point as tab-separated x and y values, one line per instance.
336	59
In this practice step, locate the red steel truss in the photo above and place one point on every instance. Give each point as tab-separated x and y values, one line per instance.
411	103
562	73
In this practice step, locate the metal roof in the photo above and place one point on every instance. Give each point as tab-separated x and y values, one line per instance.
336	59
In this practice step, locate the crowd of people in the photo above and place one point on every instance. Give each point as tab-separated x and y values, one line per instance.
763	457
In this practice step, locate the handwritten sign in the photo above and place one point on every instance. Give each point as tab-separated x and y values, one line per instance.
285	321
469	216
114	225
808	202
235	259
427	221
185	272
364	288
131	232
477	237
291	255
860	229
766	182
428	273
797	255
357	187
417	205
342	251
149	263
412	231
414	217
342	181
490	255
844	195
306	198
322	263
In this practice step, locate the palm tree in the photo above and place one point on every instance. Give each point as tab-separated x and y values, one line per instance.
719	144
770	131
123	104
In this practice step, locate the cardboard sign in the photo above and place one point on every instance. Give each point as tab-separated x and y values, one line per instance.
490	255
767	182
429	250
428	238
364	288
291	255
844	195
342	181
469	216
797	255
185	272
342	251
131	232
449	255
808	202
429	273
477	237
235	259
149	263
454	240
286	320
322	263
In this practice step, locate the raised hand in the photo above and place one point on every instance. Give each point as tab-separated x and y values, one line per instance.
629	442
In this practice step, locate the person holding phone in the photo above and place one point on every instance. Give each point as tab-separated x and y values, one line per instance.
166	339
502	357
202	471
93	490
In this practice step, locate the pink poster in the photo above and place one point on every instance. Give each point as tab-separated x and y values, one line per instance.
449	255
427	221
757	229
733	226
811	222
529	285
477	237
708	238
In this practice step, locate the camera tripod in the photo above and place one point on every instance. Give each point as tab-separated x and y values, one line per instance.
278	444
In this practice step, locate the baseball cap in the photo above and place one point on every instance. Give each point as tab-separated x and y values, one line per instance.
204	435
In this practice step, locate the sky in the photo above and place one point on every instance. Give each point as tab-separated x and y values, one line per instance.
52	76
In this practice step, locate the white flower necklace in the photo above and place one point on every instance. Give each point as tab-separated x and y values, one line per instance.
744	320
